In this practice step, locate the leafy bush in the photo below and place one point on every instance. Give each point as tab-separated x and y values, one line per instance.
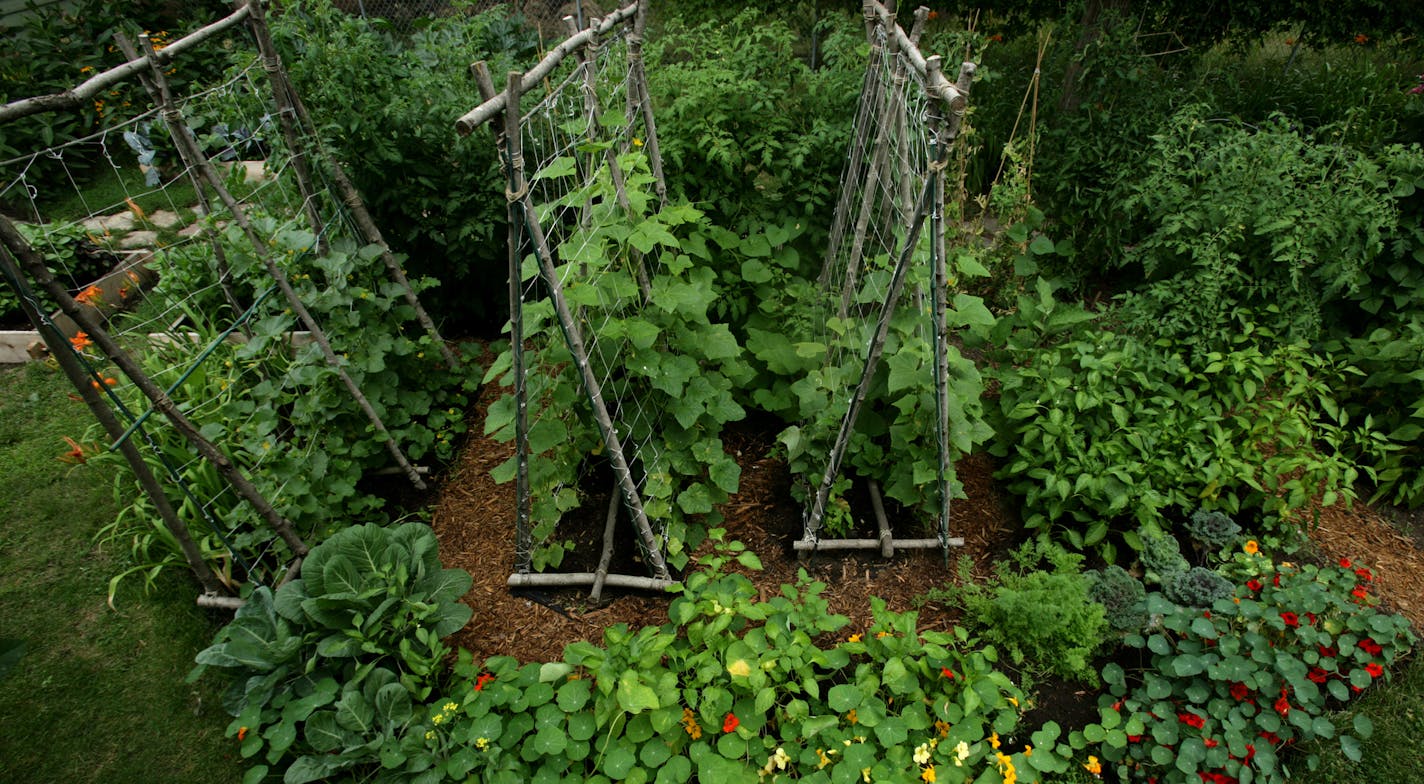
328	669
1227	691
1106	434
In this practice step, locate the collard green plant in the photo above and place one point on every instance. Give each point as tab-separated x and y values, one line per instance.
1213	530
1123	597
328	669
1196	587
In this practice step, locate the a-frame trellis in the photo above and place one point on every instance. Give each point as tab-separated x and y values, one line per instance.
560	109
25	269
894	184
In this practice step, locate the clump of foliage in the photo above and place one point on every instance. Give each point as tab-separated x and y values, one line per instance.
1228	690
1123	597
1213	530
1106	433
1037	607
329	670
1197	587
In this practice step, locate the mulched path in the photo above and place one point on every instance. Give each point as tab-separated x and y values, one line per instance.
474	520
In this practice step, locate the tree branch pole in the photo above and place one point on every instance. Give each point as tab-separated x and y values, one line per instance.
606	557
286	116
190	170
353	202
940	303
493	106
183	138
83	383
520	192
638	83
523	533
77	96
587	578
34	265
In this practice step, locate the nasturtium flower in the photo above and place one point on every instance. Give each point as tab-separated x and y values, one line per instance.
1374	669
994	739
730	723
482	680
1290	619
853	638
928	775
482	743
961	753
241	733
1093	766
948	673
1251	547
922	754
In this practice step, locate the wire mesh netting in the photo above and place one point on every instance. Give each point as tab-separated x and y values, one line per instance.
880	296
180	249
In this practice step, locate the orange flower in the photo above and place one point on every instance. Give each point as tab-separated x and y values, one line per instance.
482	680
1362	39
1290	42
81	341
1251	547
690	725
730	723
75	455
242	733
90	296
934	15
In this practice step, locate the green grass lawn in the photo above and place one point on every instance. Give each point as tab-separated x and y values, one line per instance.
99	694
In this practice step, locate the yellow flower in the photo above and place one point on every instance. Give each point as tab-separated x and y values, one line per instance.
994	739
1251	547
637	142
865	775
928	775
690	725
482	743
1028	750
851	717
450	707
1006	767
881	635
853	638
961	753
430	735
739	667
1014	701
922	754
825	757
1093	766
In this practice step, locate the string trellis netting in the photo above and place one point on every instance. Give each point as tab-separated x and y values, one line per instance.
253	335
619	381
889	382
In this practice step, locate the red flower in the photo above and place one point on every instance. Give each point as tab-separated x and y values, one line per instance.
1283	705
730	723
1364	574
1210	742
1191	720
1370	646
947	672
1374	670
1290	619
1250	752
1327	652
1318	675
1310	618
482	680
1253	584
1134	738
1276	581
1239	691
1360	593
1344	563
241	734
1271	738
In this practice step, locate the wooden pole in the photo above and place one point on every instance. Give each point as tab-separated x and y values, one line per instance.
606	557
523	533
587	578
34	265
638	82
183	138
84	384
286	117
356	206
520	192
940	303
77	97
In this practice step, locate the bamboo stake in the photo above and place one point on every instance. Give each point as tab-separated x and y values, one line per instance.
286	116
34	265
60	349
189	170
520	191
523	534
80	95
606	558
183	138
353	202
